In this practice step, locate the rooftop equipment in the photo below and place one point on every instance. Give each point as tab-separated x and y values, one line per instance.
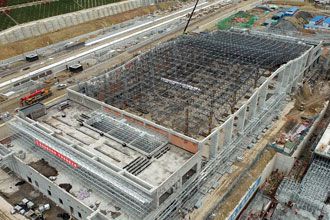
76	68
31	57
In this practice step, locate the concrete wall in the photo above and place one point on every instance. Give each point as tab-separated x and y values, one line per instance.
286	77
4	131
44	185
281	162
36	28
297	152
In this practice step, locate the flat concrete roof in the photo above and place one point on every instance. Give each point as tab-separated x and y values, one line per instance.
323	147
81	192
32	108
159	169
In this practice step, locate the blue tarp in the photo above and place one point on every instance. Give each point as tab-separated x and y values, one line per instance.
317	18
291	11
327	21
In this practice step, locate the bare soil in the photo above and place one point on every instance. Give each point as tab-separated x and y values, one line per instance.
44	168
27	191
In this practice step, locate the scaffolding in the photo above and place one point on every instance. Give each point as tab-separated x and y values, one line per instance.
193	83
104	181
119	129
313	191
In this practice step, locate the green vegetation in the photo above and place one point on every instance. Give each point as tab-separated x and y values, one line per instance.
45	10
17	2
6	22
240	19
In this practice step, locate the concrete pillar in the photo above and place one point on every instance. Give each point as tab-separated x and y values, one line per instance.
293	70
299	72
285	79
214	145
89	15
79	18
49	27
109	11
41	28
55	24
105	12
126	6
134	4
263	91
67	20
228	131
61	23
25	32
100	13
18	34
74	19
253	105
112	10
278	88
199	160
115	9
3	39
241	119
35	30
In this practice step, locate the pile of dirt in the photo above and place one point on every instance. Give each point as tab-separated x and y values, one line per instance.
44	168
285	26
306	16
19	47
66	186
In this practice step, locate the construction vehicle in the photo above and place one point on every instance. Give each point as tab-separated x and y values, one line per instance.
35	96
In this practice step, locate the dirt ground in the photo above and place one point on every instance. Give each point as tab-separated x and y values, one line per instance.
43	167
5	209
19	47
27	191
244	185
17	193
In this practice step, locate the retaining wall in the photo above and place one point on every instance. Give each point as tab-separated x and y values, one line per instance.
36	28
281	162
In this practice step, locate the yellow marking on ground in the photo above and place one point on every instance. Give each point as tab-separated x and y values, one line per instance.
54	99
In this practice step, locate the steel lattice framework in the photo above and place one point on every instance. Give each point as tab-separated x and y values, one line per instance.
143	141
192	83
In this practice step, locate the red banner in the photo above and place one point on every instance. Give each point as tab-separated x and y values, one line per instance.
57	154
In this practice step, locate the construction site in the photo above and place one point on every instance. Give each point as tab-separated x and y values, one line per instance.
136	120
139	140
176	85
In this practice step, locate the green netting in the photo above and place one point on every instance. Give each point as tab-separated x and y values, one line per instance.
240	19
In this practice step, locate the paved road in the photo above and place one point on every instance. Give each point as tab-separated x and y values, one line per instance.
200	24
106	42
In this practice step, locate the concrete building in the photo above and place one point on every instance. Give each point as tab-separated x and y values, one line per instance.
142	138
